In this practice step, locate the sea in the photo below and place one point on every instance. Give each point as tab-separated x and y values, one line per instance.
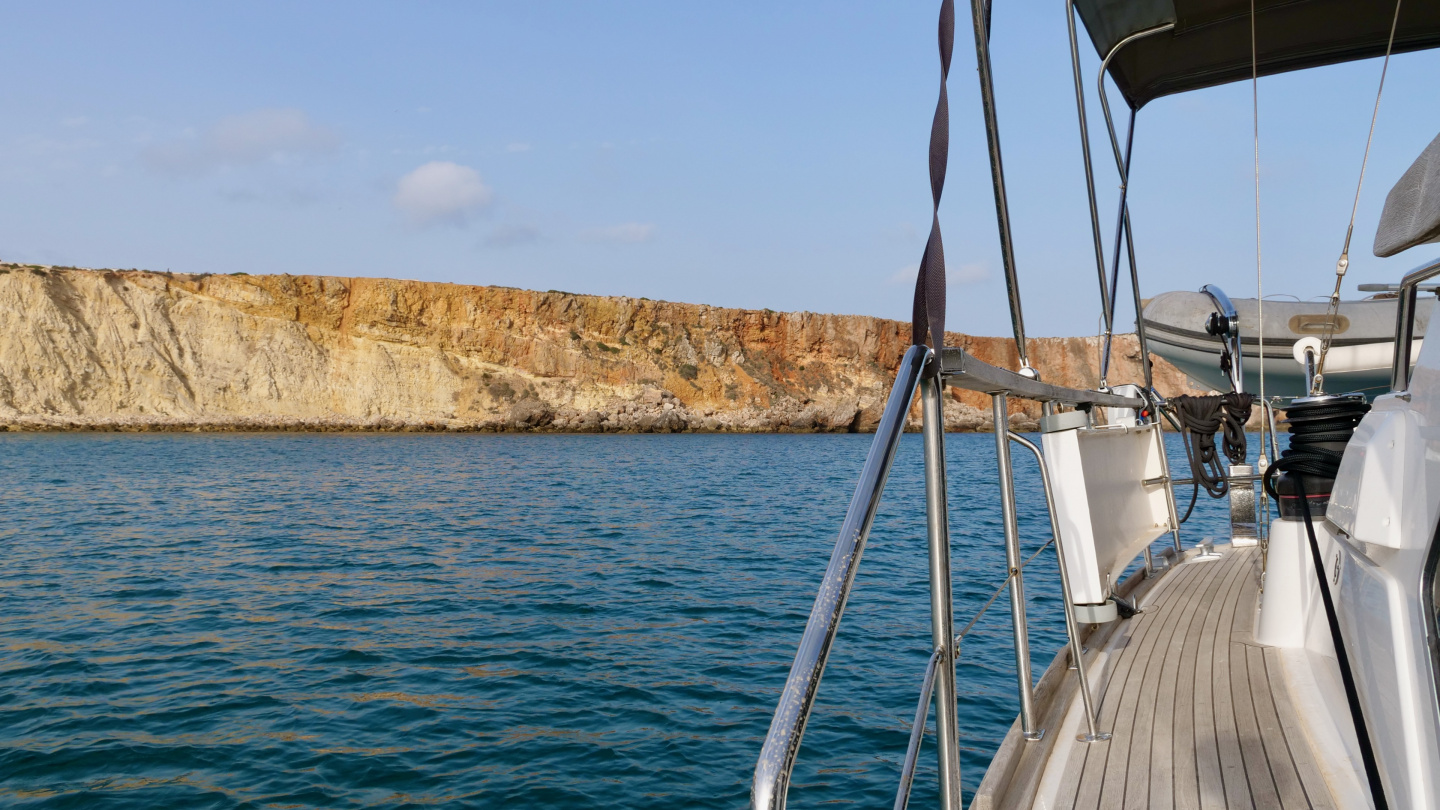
533	621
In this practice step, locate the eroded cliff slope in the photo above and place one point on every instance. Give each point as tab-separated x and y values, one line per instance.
140	350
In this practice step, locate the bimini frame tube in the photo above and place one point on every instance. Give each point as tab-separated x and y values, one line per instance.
979	14
777	756
1122	223
1085	153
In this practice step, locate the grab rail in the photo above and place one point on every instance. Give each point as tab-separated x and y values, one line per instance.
1072	628
782	743
1405	323
963	370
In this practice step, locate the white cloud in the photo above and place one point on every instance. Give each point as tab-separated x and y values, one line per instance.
440	192
259	136
512	235
625	233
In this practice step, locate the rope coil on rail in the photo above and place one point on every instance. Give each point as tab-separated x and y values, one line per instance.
1200	418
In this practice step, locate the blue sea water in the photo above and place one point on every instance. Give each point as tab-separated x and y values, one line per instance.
351	620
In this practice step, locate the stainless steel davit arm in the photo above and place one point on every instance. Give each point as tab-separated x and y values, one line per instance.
777	756
1227	328
1405	323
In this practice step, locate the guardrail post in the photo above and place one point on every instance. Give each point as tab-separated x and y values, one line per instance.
782	742
942	622
1000	410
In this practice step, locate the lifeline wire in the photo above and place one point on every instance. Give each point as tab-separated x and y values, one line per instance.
1344	263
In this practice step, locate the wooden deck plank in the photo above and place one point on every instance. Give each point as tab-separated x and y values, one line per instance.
1111	694
1088	780
1185	776
1210	781
1199	712
1317	791
1168	689
1134	784
1227	734
1146	757
1272	736
1254	756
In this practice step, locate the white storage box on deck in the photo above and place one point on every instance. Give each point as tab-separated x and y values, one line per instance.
1107	515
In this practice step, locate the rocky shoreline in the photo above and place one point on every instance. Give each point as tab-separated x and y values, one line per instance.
116	350
530	416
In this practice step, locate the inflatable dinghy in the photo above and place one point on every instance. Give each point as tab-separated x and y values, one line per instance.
1362	350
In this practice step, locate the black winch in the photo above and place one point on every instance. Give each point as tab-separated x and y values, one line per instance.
1320	427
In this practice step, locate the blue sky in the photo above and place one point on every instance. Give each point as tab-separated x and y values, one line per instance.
740	154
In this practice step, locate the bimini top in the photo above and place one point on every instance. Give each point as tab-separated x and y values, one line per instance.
1210	43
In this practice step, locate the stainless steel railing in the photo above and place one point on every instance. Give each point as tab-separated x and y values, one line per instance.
1405	323
1072	628
782	743
919	368
917	731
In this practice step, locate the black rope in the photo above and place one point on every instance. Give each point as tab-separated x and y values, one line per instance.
1200	419
1194	482
929	311
1352	695
1312	426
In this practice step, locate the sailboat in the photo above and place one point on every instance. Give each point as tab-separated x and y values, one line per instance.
1294	663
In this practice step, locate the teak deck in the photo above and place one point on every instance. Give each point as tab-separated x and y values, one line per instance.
1199	713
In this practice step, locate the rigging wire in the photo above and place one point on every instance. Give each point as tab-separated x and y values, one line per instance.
1332	313
1259	268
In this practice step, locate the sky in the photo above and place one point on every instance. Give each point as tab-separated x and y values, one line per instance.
745	154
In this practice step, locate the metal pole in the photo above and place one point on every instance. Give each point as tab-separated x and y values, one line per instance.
1085	152
787	726
917	730
1140	335
1169	485
1000	412
1122	221
1122	164
1077	653
997	176
942	622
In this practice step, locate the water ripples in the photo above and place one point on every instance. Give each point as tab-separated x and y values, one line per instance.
540	621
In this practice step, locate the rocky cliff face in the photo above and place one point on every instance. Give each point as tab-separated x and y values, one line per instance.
138	350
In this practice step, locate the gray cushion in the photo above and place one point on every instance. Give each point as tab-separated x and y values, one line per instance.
1412	209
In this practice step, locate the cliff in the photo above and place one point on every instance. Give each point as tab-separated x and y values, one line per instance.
106	349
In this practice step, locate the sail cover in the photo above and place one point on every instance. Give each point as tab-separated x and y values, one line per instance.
1412	208
1210	43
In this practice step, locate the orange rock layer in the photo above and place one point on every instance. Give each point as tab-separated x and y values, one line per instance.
139	350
